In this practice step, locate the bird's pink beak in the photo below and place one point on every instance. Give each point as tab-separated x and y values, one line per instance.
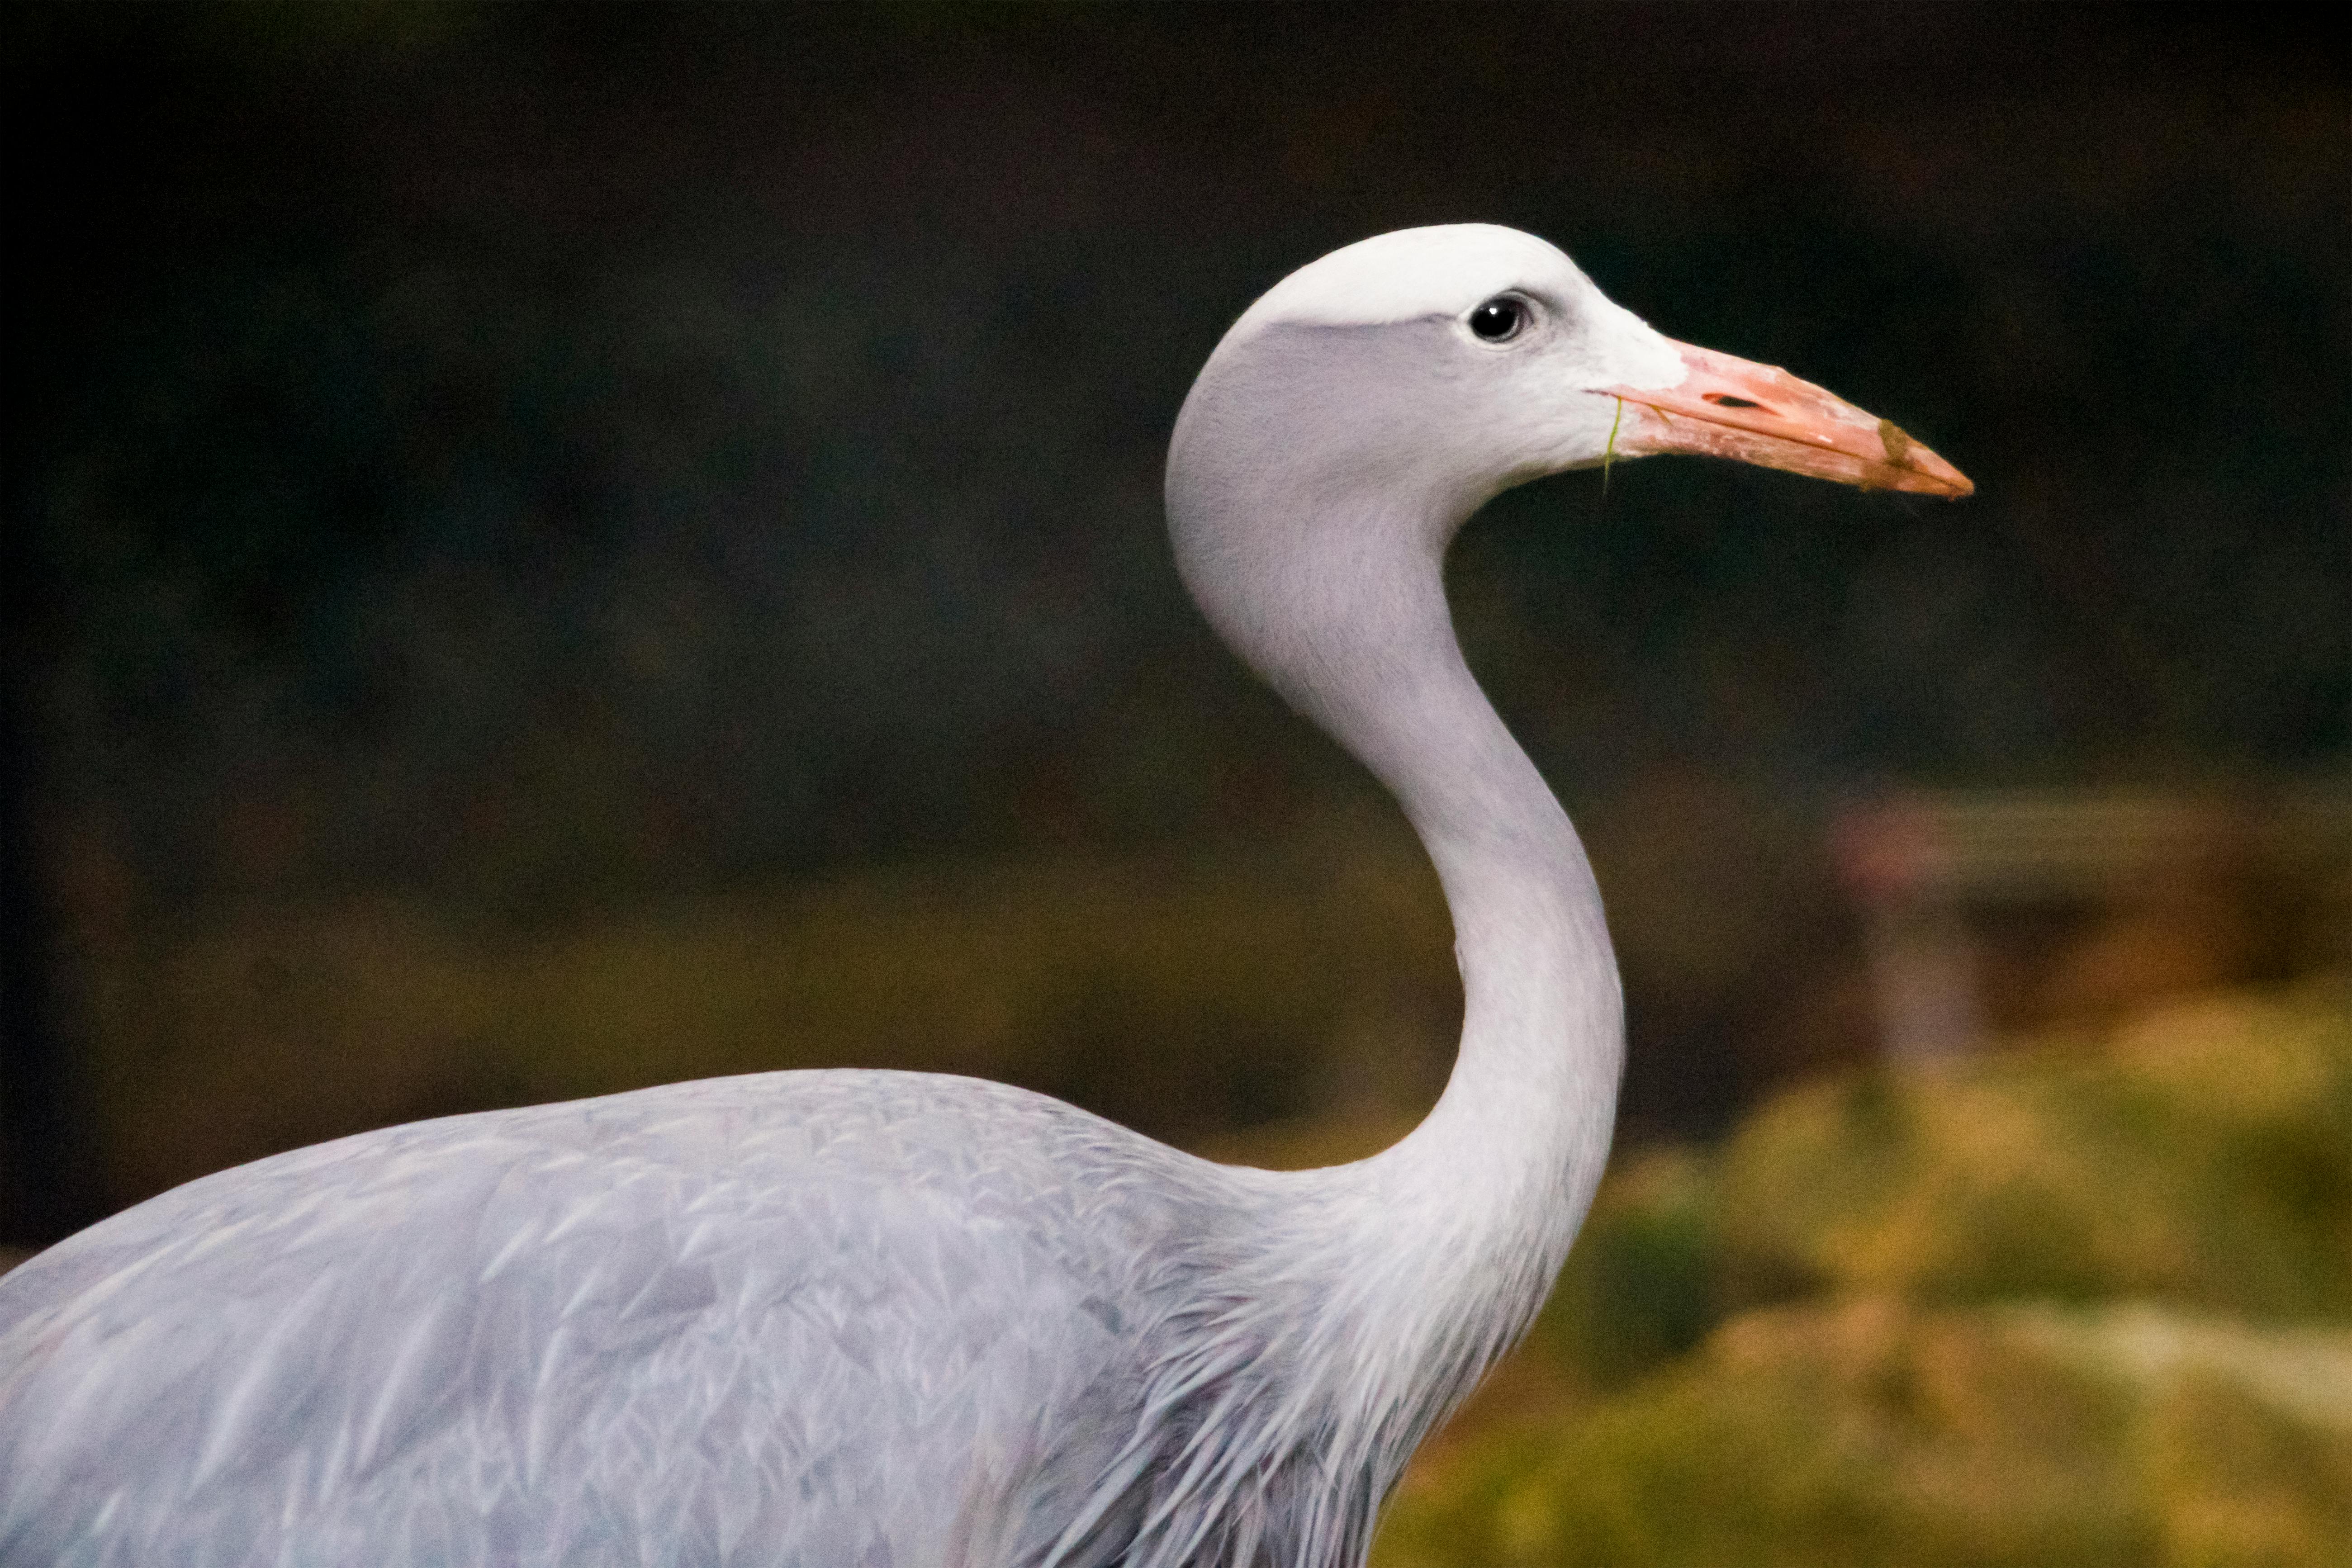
1728	407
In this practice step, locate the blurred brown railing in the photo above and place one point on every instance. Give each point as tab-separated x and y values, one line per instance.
2089	898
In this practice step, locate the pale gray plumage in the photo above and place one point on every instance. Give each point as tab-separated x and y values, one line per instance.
870	1319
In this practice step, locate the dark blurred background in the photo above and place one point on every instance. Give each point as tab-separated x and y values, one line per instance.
551	548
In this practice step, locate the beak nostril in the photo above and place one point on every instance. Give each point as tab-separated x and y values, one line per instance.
1724	400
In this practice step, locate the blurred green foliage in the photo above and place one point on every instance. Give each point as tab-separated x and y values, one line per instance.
1645	1281
1873	1431
2203	1157
2087	1302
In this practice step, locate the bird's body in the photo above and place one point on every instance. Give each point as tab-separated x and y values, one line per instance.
797	1317
860	1319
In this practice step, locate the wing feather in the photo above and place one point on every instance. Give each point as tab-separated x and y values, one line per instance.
822	1319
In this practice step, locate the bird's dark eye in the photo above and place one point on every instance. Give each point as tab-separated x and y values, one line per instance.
1499	320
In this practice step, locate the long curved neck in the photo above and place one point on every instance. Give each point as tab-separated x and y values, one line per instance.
1523	1126
1427	1261
1434	1257
1338	598
1522	1129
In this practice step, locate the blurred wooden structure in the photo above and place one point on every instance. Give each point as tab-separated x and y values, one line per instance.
1990	910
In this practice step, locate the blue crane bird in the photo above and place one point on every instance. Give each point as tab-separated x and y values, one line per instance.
887	1319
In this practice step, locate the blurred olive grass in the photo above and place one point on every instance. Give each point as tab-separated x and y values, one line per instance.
1186	995
2085	1303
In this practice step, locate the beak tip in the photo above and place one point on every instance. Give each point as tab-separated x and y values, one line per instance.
1942	478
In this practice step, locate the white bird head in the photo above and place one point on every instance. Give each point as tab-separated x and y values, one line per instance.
1478	357
1367	403
1378	396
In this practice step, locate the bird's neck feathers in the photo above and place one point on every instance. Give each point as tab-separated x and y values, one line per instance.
1332	589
